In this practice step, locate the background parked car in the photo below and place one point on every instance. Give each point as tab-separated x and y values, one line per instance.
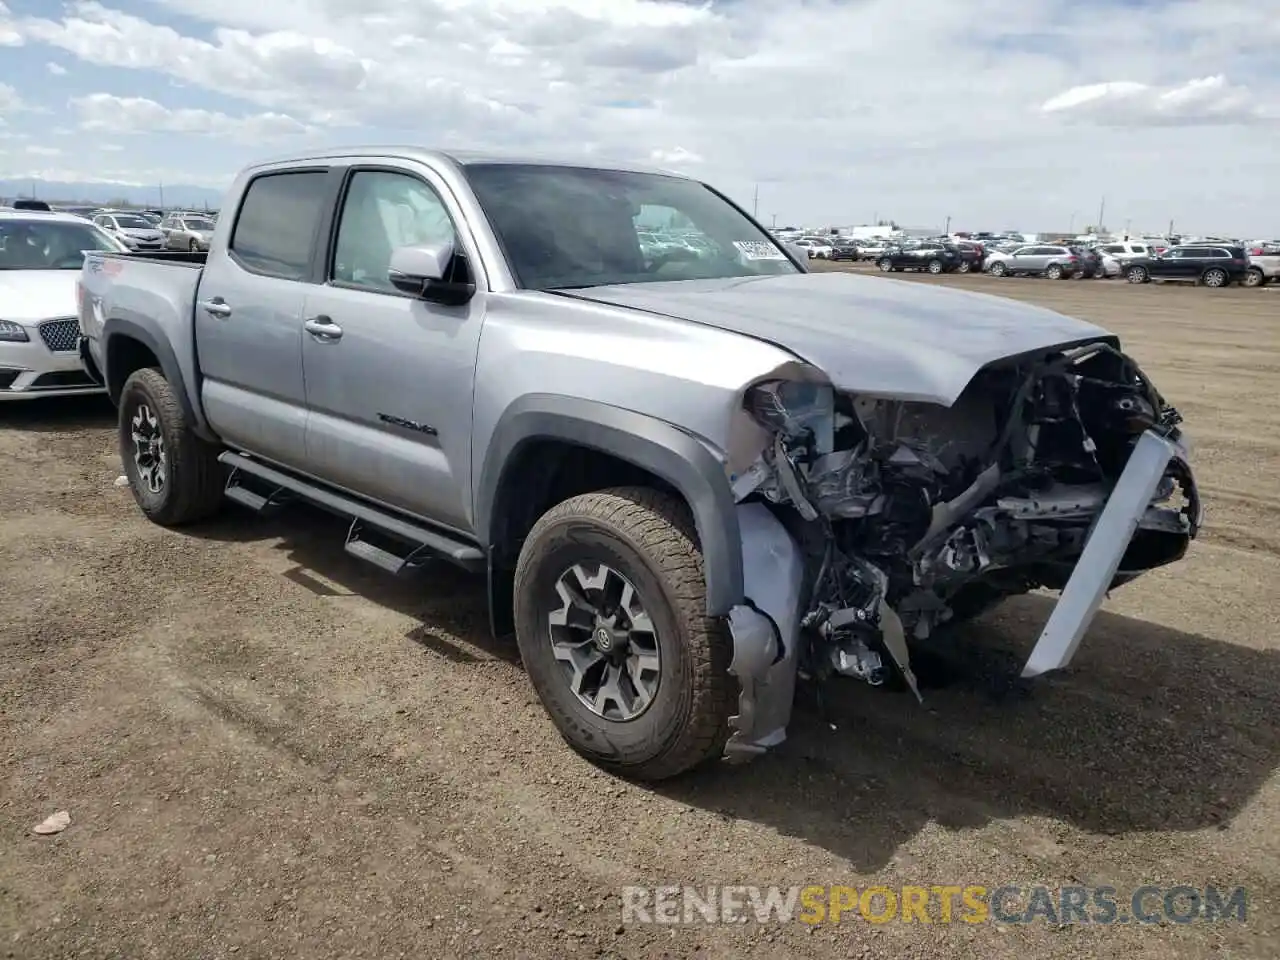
817	248
187	231
1111	266
972	255
873	248
133	230
1264	265
1035	260
1210	265
40	259
843	248
1090	263
929	256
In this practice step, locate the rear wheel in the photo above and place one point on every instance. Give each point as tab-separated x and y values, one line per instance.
193	246
1054	272
1136	275
964	267
886	265
1216	277
934	267
610	605
174	475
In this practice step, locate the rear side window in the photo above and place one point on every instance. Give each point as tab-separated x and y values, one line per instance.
276	227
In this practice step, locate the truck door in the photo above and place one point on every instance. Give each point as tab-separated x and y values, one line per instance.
249	315
389	376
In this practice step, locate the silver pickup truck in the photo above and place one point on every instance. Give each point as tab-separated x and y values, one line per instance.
692	472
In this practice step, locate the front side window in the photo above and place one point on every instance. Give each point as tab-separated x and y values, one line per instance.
49	244
277	224
383	210
567	227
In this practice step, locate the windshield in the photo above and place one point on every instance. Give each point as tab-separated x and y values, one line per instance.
132	222
563	227
49	245
197	224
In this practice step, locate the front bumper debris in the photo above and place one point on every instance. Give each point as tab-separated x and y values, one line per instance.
1099	562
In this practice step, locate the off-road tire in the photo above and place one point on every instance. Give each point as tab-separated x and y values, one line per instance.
650	538
195	480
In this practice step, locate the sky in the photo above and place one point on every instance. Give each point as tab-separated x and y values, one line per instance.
994	114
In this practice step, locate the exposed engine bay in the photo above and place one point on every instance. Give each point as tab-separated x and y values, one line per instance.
910	515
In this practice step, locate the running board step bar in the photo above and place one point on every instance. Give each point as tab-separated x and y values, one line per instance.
421	542
237	491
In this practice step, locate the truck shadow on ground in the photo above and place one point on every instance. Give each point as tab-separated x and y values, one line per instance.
57	414
449	603
1152	729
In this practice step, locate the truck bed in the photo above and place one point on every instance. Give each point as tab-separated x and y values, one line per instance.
155	294
163	256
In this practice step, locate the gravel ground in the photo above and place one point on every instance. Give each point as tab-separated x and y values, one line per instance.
270	751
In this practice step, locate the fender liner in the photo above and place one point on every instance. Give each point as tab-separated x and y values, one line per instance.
163	352
651	444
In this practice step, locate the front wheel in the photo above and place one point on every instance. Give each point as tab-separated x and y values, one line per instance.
610	605
998	269
934	267
174	475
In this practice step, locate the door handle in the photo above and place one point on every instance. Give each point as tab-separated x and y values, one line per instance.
217	307
322	328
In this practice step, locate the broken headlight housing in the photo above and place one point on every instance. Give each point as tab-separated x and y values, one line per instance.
800	411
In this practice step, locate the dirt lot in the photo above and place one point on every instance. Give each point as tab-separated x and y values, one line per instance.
269	751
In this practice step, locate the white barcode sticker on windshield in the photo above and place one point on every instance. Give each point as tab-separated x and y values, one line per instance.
758	250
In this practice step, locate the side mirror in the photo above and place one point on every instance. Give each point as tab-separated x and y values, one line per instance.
431	272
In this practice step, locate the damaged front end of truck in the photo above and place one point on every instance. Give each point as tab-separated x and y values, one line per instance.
868	523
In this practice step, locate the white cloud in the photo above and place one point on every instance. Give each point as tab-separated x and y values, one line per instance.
9	34
1202	102
102	111
675	157
10	102
995	114
38	151
57	69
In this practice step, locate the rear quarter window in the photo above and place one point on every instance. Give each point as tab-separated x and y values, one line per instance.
276	227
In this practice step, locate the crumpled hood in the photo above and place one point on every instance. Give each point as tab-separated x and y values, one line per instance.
871	335
27	295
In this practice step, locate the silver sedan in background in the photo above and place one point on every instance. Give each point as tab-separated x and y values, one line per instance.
187	231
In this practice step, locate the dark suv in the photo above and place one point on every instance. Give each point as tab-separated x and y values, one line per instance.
1209	264
842	248
929	256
